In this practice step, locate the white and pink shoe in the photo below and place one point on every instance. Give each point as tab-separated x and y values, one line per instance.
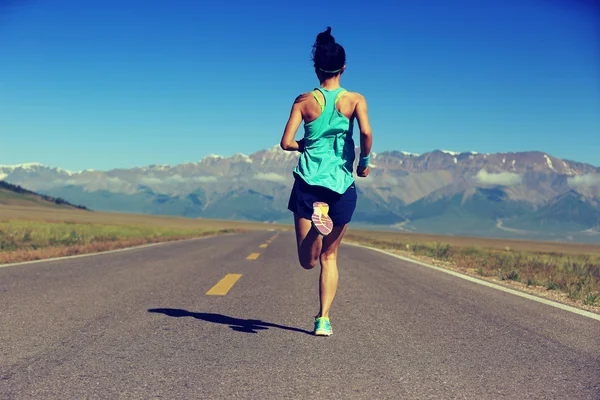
320	220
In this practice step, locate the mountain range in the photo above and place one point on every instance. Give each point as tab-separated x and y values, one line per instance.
529	195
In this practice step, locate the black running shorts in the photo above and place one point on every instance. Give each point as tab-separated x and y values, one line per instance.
341	206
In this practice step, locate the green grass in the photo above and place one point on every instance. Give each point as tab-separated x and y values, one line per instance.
23	236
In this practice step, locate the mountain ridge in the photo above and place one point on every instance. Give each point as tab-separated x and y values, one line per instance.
292	155
490	191
16	195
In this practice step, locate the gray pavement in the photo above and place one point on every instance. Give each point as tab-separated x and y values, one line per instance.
139	325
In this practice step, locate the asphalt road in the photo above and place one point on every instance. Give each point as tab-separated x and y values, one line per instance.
139	325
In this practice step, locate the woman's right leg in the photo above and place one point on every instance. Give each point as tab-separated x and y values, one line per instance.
309	242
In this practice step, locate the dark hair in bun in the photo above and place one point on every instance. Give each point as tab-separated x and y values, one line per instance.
329	57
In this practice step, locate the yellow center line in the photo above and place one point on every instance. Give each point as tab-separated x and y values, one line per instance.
253	256
264	245
223	286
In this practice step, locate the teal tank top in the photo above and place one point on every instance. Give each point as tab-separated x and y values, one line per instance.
328	156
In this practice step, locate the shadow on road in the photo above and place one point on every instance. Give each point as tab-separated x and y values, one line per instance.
239	325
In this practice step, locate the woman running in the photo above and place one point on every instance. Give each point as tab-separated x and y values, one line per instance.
323	198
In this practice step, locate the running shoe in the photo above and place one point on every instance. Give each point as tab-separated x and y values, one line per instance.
323	327
320	220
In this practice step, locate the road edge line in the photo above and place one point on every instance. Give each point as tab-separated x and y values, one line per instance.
99	253
528	296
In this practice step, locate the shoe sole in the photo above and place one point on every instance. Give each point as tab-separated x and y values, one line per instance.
323	333
320	220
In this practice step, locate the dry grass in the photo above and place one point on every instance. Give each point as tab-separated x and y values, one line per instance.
572	269
29	254
479	242
112	218
29	233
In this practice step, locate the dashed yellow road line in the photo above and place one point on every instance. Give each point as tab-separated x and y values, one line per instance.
263	246
253	256
223	286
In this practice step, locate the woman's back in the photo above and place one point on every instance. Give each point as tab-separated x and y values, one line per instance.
311	108
328	156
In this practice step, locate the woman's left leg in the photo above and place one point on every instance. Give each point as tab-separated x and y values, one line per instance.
329	271
342	210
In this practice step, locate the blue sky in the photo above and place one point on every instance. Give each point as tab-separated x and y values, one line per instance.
112	84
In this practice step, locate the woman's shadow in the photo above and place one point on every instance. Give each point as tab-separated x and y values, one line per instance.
239	325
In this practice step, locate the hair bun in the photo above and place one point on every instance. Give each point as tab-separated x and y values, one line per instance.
325	37
328	56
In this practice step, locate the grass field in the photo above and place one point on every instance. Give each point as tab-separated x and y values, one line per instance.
34	233
572	270
568	268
